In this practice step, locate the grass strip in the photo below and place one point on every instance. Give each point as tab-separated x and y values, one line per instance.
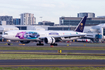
35	56
54	68
49	48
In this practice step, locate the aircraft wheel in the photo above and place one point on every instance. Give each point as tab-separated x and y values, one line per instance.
54	44
40	44
9	44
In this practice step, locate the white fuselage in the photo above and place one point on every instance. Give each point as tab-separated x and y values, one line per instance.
11	35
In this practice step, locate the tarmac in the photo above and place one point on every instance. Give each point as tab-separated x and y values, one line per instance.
55	62
63	44
52	63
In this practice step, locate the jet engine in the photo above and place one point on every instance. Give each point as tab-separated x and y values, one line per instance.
25	42
49	40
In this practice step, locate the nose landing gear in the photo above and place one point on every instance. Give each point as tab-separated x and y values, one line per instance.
9	42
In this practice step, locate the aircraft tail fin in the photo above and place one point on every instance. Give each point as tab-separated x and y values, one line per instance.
81	25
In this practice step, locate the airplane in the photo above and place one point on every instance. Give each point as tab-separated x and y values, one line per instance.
45	37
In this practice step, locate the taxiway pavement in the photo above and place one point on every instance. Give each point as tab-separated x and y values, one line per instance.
56	51
52	63
76	44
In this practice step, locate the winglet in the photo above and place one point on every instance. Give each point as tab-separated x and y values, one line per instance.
81	25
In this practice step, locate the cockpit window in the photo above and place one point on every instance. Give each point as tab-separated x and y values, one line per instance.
5	33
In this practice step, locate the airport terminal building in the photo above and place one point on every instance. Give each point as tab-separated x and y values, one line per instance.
75	20
91	20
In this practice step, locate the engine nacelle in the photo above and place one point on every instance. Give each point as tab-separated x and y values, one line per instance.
25	42
49	40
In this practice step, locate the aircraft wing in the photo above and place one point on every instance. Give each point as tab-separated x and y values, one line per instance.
67	36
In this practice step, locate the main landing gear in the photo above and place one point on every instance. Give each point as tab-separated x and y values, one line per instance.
54	44
40	44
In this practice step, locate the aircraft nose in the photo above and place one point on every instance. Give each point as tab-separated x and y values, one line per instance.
3	36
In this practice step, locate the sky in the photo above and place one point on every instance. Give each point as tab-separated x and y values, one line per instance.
51	10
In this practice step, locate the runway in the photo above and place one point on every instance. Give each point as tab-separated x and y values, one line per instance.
56	51
52	63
